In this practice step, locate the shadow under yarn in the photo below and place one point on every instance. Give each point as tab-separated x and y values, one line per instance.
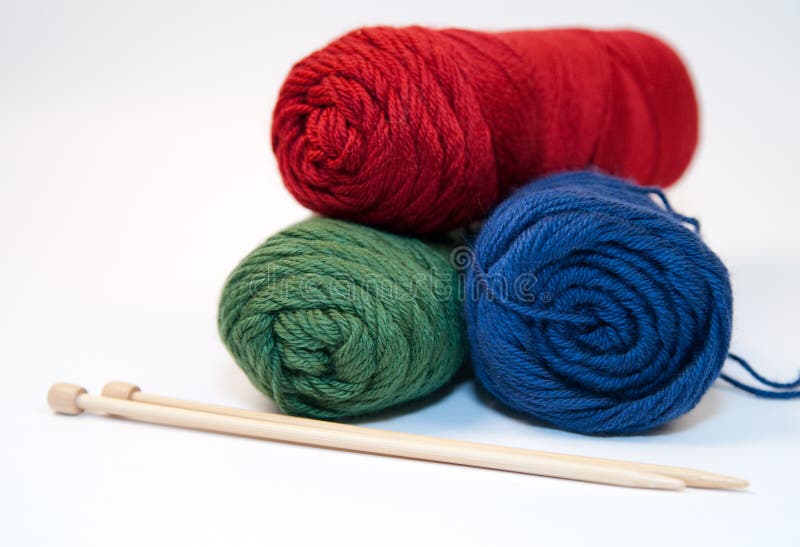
463	375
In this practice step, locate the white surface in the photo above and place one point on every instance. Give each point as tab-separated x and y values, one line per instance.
135	172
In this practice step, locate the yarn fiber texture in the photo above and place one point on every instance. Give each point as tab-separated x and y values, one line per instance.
334	320
418	130
594	307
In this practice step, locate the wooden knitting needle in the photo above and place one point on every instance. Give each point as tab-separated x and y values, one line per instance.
691	477
72	399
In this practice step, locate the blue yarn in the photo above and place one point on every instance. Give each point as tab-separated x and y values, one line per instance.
594	307
622	320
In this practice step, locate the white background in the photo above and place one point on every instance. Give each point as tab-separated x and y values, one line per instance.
135	172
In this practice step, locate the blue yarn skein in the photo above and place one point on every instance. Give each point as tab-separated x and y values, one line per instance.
595	308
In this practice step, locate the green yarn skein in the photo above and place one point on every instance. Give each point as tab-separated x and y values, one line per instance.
334	320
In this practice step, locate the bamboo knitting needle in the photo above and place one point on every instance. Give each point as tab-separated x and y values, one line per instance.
691	477
72	399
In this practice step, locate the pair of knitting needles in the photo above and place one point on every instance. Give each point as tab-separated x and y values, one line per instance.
128	401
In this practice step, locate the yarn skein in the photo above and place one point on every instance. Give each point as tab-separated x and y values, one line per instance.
334	320
594	308
418	130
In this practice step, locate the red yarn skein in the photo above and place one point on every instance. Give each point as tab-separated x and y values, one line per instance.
419	130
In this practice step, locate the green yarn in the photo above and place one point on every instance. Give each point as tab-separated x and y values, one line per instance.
333	319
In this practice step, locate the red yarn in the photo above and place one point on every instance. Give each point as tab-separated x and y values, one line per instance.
421	130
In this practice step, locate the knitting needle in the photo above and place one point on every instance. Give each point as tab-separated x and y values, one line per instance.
692	477
72	399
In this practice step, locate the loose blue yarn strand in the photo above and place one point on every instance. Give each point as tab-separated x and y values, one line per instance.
767	394
691	221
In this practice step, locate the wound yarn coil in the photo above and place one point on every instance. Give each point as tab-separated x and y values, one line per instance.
593	306
419	130
334	320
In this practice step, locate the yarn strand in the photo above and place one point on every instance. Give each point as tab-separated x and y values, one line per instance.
764	393
691	221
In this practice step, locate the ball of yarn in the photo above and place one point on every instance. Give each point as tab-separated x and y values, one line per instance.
594	308
419	130
332	319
